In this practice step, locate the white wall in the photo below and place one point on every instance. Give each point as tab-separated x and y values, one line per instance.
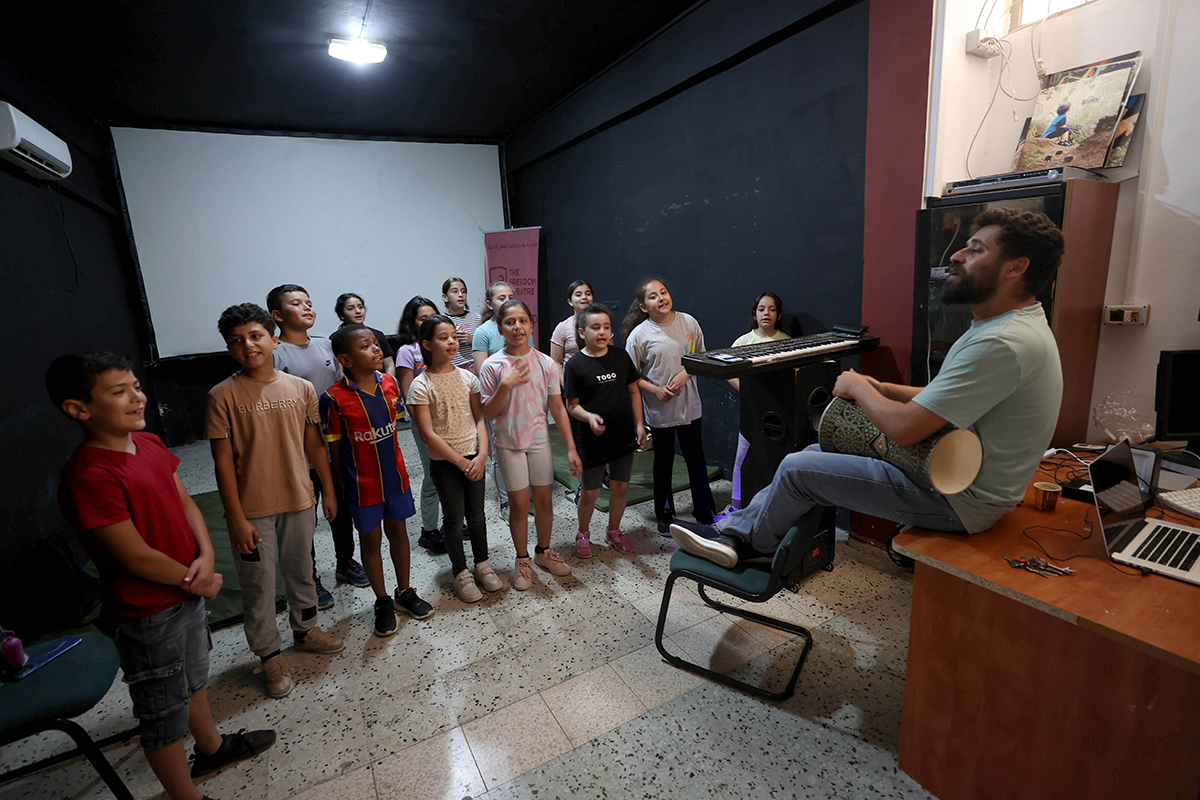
220	219
1156	245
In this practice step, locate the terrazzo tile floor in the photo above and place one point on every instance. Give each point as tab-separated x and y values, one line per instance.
554	692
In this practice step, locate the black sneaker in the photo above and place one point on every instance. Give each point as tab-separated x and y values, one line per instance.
324	598
234	748
664	527
352	573
385	616
414	605
705	541
432	541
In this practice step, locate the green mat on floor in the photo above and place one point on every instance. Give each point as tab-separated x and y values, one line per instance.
226	609
641	482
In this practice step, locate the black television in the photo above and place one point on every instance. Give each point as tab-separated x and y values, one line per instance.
1177	403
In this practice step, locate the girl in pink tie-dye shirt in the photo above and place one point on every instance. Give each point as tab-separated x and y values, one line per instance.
519	386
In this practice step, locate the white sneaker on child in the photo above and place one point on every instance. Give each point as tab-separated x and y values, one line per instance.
465	588
552	562
522	576
486	577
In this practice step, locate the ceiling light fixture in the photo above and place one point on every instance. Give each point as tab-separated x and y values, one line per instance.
358	51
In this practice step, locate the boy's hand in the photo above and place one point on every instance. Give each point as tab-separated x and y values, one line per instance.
475	468
664	393
639	431
596	422
329	506
244	537
517	375
199	576
214	587
574	463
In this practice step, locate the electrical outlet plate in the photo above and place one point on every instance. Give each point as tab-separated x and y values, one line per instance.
1126	314
982	45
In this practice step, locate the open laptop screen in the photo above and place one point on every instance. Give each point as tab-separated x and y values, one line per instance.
1119	498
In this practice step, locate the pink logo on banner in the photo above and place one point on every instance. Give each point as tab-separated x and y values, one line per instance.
512	256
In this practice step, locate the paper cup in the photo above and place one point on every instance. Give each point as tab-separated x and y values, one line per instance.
1045	496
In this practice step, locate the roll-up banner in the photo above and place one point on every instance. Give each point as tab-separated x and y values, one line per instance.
512	256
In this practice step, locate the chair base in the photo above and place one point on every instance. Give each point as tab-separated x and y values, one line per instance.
778	624
84	744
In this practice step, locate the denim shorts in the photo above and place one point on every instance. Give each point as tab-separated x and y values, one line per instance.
165	661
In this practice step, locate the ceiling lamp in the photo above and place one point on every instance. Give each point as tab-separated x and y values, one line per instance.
359	51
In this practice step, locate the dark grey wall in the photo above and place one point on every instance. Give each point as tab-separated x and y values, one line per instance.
67	285
750	180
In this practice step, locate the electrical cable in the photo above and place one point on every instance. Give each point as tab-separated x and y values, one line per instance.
60	212
1025	534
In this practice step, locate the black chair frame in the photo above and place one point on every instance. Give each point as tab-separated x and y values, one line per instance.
84	745
777	581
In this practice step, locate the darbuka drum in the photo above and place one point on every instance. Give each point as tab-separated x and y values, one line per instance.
948	461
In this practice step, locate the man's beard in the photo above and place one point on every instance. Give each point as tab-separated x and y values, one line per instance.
970	291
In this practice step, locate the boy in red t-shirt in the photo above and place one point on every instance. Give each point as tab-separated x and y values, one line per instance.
149	541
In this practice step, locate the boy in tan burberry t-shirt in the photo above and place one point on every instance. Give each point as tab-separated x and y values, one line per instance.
263	426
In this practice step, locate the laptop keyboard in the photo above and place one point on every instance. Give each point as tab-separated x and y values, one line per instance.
1124	498
1170	547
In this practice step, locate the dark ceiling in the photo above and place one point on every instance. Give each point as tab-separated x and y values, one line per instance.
455	69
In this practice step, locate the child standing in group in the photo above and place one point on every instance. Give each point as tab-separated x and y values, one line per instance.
262	426
657	337
563	343
123	496
486	342
351	308
410	363
359	415
448	412
519	386
454	297
603	398
764	317
312	358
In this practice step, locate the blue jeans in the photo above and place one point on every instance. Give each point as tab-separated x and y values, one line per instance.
815	478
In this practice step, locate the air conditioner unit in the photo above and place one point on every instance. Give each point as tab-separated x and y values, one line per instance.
31	147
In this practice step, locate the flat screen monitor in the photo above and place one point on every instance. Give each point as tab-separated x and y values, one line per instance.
1177	399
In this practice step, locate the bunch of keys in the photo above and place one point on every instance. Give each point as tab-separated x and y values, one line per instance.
1038	566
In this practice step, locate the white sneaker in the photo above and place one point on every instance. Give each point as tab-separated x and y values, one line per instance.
486	577
465	588
522	575
552	562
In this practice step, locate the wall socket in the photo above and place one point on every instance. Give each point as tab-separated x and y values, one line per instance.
979	43
1126	315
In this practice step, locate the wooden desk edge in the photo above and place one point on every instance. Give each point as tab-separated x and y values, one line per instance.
998	588
1052	610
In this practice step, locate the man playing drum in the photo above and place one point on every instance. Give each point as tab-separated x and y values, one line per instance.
1002	379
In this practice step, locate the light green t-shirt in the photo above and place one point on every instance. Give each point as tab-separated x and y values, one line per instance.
1003	380
754	337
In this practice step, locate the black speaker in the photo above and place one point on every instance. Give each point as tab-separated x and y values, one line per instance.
779	413
820	549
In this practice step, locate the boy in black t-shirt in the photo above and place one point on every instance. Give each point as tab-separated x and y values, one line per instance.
603	399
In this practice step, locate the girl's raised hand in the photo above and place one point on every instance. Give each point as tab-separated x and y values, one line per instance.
597	424
517	375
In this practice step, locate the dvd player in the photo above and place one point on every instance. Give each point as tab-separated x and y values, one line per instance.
1013	180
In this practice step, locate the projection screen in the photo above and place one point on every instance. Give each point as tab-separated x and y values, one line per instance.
220	219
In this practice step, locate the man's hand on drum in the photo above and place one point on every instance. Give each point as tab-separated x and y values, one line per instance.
851	384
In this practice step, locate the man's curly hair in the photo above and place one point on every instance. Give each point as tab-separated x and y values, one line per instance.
1028	234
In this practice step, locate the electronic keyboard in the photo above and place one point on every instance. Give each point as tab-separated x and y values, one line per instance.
733	362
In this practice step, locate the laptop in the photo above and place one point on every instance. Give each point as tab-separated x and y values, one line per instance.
1155	545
